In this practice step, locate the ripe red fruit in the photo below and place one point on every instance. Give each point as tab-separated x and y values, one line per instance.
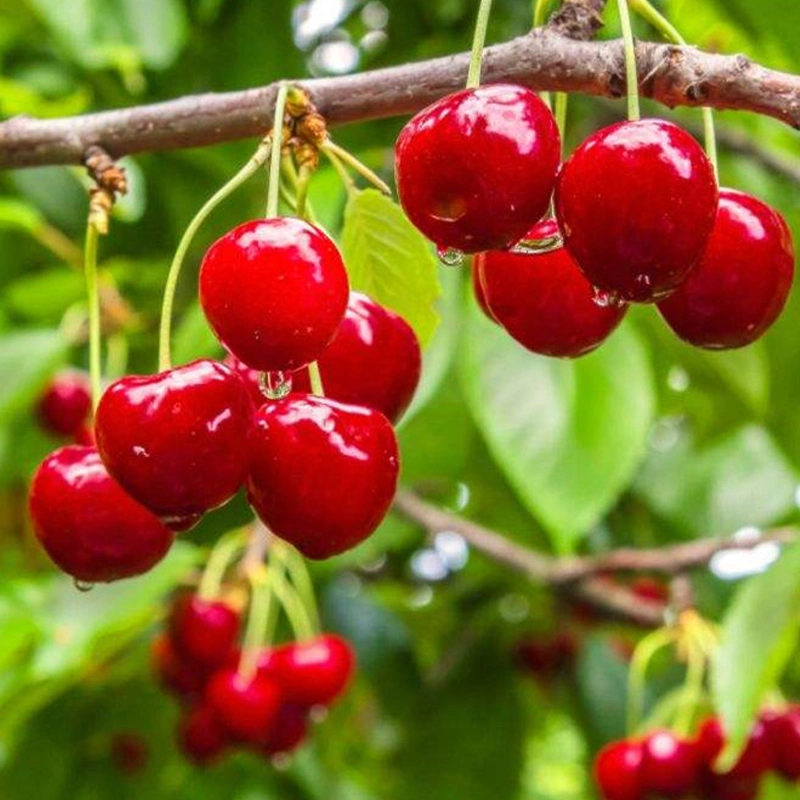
66	403
177	441
200	736
755	760
288	732
650	589
323	474
274	291
783	730
670	765
87	524
617	770
476	169
175	674
546	656
204	631
246	708
725	787
636	203
543	300
374	360
478	290
741	284
315	672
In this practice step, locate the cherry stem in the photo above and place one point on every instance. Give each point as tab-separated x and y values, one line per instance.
344	175
648	12
693	687
302	209
330	147
273	188
631	74
93	303
257	160
261	582
218	562
562	101
301	579
645	651
478	41
315	379
299	617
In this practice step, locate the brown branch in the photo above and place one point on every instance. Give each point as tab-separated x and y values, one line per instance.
543	60
584	577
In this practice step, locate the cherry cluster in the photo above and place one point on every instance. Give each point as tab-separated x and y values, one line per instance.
320	471
663	764
639	218
199	661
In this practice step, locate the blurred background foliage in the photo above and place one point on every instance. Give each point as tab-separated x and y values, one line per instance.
644	442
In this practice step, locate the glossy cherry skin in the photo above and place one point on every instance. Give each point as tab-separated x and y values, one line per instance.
87	523
617	771
184	679
478	290
246	708
670	765
636	203
543	300
204	631
784	735
476	169
755	760
66	403
177	441
741	283
274	291
313	673
200	736
323	473
288	732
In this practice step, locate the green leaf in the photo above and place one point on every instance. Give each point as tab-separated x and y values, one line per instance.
389	259
759	634
745	371
567	434
45	296
193	338
19	214
27	358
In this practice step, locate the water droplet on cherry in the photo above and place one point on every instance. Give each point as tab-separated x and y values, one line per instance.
534	246
449	256
275	385
83	586
606	299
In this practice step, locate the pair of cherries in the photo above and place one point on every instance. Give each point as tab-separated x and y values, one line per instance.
199	661
637	206
320	472
664	765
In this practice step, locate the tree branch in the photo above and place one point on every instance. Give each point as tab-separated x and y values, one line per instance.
584	577
543	60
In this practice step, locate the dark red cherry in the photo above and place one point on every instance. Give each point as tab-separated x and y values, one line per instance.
274	291
725	787
742	281
315	672
288	732
548	655
323	473
66	403
177	441
129	752
755	760
245	707
200	736
205	631
374	360
617	771
478	289
543	300
88	525
251	378
184	679
783	730
670	765
636	203
476	169
650	589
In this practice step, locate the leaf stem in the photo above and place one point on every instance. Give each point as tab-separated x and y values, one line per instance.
93	304
478	41
631	74
273	188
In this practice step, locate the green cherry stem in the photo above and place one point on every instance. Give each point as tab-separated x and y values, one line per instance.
299	574
257	160
315	379
273	188
562	101
693	688
344	176
261	582
648	12
218	562
645	651
93	303
330	148
299	617
478	41
631	74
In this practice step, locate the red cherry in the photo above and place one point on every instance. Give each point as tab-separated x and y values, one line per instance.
478	289
129	752
617	770
175	674
543	300
783	730
755	760
205	631
246	708
725	787
651	589
200	736
323	473
636	203
742	281
66	403
87	524
85	436
315	672
670	765
546	656
476	169
288	732
274	291
251	378
177	441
